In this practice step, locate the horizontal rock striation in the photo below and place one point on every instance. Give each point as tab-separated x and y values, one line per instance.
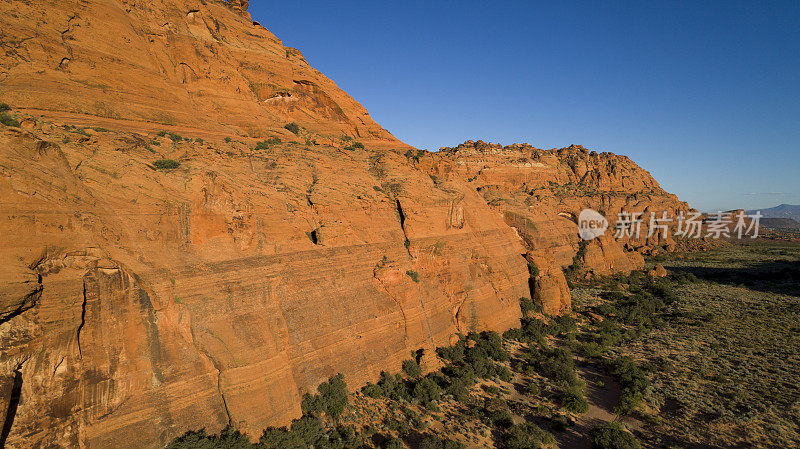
177	63
139	300
541	193
221	291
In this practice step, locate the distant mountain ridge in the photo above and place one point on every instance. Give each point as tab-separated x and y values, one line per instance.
780	223
782	211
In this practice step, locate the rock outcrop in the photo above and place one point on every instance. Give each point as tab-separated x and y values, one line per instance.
206	65
541	193
139	301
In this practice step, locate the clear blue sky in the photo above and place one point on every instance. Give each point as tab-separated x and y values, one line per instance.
705	95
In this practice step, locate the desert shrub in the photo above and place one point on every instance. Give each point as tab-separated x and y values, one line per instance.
4	107
266	144
529	306
574	400
426	391
393	387
377	165
229	438
293	127
372	390
577	265
613	436
533	270
492	390
413	274
166	164
433	442
393	443
527	436
529	389
562	325
502	419
172	136
635	383
228	140
412	368
199	140
474	356
557	365
560	423
355	146
591	349
331	398
8	120
683	277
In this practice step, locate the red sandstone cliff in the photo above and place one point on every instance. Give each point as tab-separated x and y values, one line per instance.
138	303
187	63
542	192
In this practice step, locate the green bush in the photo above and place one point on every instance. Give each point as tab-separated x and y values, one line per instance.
527	436
393	443
434	442
372	390
4	107
533	270
229	438
635	383
558	365
331	398
413	275
293	127
563	325
166	164
412	368
613	436
574	401
8	120
355	146
266	144
172	136
426	391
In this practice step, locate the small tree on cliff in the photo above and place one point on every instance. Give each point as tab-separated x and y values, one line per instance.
330	400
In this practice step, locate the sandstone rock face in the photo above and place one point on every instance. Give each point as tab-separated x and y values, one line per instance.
542	192
137	303
171	63
140	303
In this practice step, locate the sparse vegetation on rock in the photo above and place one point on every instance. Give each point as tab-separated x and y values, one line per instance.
293	127
166	164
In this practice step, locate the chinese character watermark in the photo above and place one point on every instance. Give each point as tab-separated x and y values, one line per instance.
592	224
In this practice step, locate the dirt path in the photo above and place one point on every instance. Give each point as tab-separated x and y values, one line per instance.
603	393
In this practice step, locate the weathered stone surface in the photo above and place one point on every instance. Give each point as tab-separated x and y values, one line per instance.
221	291
542	192
172	64
138	303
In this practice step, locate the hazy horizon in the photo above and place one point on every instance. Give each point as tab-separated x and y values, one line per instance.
703	96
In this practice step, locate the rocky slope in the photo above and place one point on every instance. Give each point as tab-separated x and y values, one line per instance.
221	291
177	63
137	303
542	192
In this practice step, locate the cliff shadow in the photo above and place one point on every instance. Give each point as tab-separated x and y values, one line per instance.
781	277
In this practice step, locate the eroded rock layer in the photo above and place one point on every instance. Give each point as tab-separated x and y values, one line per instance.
139	301
152	302
541	193
179	63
